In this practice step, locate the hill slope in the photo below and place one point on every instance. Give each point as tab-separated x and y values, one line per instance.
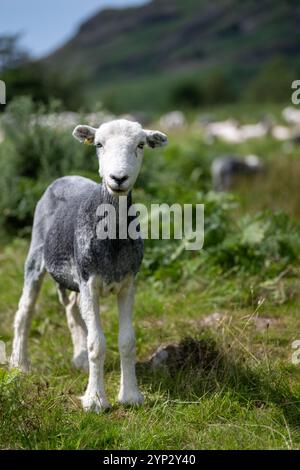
169	38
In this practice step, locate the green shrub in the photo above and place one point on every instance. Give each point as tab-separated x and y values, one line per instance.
272	83
263	244
213	88
31	157
186	93
218	88
33	79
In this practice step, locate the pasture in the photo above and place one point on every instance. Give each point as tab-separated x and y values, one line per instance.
237	388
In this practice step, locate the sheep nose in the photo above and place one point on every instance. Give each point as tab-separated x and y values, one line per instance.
119	180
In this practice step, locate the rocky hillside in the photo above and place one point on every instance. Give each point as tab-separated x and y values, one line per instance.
168	38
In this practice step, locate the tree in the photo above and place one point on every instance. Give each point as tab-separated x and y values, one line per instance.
11	54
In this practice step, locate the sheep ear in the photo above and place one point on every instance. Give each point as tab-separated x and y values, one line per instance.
156	139
85	134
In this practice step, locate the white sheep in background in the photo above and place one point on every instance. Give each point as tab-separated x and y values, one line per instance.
227	130
254	131
172	121
68	119
291	115
281	132
230	131
65	244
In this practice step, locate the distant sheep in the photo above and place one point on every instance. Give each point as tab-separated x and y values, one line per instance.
224	169
291	115
172	120
230	131
282	133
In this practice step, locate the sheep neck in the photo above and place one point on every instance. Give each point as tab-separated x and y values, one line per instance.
109	198
122	218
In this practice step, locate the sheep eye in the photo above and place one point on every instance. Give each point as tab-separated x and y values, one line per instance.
141	145
99	145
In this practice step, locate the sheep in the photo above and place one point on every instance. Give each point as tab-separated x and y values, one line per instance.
281	133
284	133
231	131
226	130
65	244
254	131
173	121
224	169
291	115
68	119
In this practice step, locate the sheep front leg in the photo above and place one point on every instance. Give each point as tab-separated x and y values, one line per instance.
94	398
129	392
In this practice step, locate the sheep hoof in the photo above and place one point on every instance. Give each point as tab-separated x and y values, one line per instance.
94	403
22	366
81	361
132	397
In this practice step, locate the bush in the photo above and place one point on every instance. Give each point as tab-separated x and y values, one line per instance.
272	83
187	94
218	88
31	157
214	88
43	85
264	244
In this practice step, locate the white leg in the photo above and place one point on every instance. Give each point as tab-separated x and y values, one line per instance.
79	334
77	328
129	392
19	357
94	398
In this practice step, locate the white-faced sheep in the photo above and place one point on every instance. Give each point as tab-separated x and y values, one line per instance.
65	244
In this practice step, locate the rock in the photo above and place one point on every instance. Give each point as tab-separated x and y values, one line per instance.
189	352
263	323
213	320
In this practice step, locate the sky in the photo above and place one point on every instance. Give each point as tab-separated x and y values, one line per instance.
46	24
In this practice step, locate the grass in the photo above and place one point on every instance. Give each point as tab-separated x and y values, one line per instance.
244	395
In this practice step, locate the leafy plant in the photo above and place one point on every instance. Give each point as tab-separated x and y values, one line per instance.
31	157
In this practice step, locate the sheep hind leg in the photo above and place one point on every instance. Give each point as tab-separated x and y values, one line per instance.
34	274
77	328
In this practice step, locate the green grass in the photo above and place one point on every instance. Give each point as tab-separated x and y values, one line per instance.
246	395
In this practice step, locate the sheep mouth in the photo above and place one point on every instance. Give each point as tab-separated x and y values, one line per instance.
118	190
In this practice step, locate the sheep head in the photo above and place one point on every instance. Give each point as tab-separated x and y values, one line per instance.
120	148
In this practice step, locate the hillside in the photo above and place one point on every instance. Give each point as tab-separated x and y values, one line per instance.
164	39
